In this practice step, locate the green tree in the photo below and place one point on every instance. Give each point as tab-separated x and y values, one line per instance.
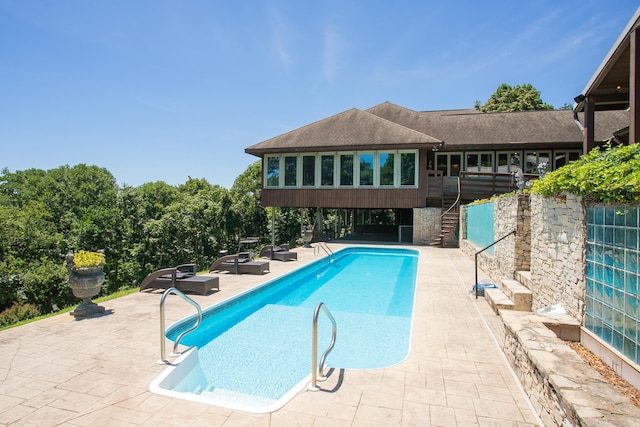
247	216
519	98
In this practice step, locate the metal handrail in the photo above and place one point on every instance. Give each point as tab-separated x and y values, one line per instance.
325	247
315	368
163	350
484	249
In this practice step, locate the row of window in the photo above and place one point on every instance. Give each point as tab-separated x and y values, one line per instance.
504	161
349	169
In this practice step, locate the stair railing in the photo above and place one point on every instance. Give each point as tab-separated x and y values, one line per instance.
484	249
317	371
163	350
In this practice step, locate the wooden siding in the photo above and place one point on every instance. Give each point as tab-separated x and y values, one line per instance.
372	198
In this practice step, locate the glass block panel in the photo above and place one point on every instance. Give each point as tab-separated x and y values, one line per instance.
619	216
608	235
618	236
631	305
599	272
590	233
591	215
618	278
630	283
630	327
599	215
599	253
607	334
590	270
631	238
597	309
618	340
599	293
608	256
618	258
631	217
608	275
631	261
629	348
618	321
618	299
599	234
607	315
589	288
609	215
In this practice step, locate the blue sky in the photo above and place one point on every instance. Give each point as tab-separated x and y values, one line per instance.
158	90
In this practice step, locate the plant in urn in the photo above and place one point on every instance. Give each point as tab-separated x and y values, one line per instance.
85	279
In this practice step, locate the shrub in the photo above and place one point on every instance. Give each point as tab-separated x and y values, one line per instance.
611	175
17	313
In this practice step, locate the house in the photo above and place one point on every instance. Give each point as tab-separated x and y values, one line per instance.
396	159
408	163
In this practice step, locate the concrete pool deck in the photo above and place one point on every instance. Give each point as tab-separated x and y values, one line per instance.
96	371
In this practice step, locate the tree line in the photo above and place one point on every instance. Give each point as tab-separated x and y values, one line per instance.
46	214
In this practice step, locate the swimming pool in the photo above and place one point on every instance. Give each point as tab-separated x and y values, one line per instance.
253	352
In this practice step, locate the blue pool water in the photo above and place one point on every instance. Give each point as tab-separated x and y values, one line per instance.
254	351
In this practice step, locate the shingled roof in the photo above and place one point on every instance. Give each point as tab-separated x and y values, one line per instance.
468	129
352	129
389	125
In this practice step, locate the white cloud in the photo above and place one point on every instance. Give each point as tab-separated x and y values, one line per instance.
280	33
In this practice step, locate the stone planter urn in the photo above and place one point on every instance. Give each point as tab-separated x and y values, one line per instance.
85	283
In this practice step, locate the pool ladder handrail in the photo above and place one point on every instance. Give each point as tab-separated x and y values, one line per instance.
317	371
163	349
325	247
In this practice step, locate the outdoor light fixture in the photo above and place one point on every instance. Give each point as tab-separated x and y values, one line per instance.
579	98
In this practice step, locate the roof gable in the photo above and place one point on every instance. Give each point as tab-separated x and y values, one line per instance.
351	129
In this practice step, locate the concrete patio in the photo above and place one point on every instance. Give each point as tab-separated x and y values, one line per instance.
96	371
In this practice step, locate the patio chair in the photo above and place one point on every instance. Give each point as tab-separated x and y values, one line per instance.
183	278
239	263
281	253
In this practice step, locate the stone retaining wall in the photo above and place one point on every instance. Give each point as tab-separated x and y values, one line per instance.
426	225
549	241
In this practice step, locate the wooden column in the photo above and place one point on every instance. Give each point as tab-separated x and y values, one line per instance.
634	88
589	133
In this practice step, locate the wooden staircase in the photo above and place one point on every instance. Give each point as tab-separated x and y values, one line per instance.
449	219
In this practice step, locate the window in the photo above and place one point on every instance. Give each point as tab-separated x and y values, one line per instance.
346	169
393	168
366	169
327	171
386	170
564	157
480	162
308	171
448	163
290	171
509	162
537	162
273	171
408	168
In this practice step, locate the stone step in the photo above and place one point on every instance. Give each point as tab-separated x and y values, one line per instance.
497	300
521	297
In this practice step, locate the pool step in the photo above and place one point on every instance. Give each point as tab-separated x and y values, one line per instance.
512	295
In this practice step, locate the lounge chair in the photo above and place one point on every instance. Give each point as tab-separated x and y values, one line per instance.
239	263
183	278
281	253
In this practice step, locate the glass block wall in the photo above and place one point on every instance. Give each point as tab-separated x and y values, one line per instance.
480	225
611	305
